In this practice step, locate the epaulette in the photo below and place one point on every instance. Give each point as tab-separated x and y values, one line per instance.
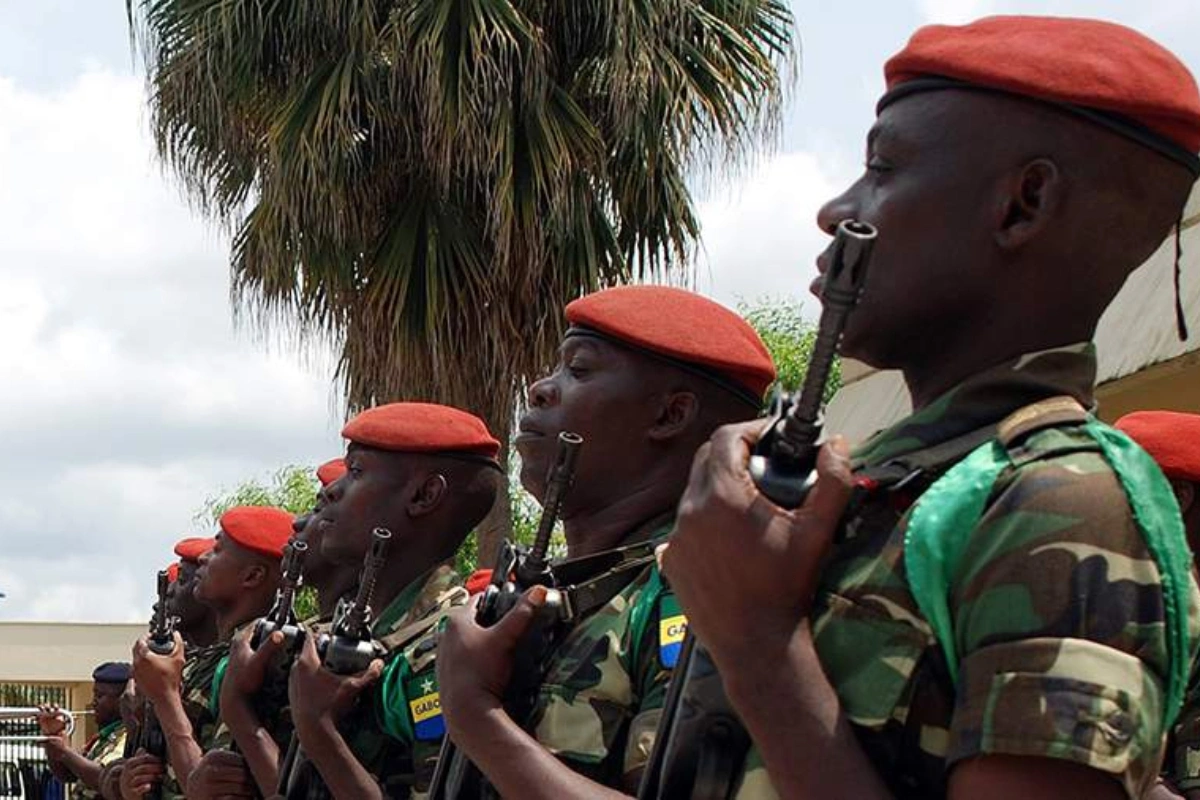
1048	413
402	637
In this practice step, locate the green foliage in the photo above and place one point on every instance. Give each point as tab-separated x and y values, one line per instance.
790	338
292	488
306	603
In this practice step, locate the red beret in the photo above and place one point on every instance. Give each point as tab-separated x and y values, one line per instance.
263	529
479	580
330	471
1170	437
683	327
1084	65
422	428
173	572
192	549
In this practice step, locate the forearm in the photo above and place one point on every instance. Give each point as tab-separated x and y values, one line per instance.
795	719
345	777
58	768
517	765
183	752
86	771
255	742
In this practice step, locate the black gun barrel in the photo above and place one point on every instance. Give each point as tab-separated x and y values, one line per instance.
289	581
534	568
162	628
800	429
359	613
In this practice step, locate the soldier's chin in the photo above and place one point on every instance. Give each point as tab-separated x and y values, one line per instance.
859	344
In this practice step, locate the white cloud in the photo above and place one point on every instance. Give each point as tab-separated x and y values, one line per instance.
955	12
127	396
762	237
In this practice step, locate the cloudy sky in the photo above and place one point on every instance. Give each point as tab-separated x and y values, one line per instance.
128	395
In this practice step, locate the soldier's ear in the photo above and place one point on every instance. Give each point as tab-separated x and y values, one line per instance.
676	413
1029	201
428	495
254	576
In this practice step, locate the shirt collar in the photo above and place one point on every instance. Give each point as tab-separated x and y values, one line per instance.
414	602
986	398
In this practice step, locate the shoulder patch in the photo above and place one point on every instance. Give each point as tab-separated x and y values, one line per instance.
671	630
426	711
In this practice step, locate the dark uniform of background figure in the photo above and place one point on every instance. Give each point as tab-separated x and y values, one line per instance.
427	473
237	579
1018	171
84	768
1173	440
197	625
645	374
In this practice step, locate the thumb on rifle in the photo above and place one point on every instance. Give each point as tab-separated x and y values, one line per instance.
267	649
513	625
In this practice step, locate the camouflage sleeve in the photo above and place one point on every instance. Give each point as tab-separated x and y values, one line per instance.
410	709
1182	765
655	655
1059	625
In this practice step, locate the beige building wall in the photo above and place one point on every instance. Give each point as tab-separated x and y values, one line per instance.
63	655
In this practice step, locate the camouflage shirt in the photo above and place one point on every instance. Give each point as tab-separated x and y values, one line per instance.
198	674
270	703
106	747
603	691
1057	609
1182	764
396	732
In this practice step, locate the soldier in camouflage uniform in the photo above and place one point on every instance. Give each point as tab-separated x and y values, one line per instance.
237	579
197	624
1173	439
1009	215
645	374
256	688
84	769
427	473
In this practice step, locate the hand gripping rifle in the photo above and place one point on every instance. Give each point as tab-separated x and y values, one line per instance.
162	625
161	640
347	649
701	746
518	570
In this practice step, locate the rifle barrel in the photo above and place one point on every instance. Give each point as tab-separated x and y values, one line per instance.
558	483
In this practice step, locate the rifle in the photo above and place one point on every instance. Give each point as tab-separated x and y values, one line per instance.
701	746
518	570
282	616
348	648
161	640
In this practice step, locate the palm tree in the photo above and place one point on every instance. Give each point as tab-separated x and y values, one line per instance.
422	184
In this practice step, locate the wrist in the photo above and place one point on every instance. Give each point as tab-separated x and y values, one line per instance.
764	664
315	731
172	719
480	723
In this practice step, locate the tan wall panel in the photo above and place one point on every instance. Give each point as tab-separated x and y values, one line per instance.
39	652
